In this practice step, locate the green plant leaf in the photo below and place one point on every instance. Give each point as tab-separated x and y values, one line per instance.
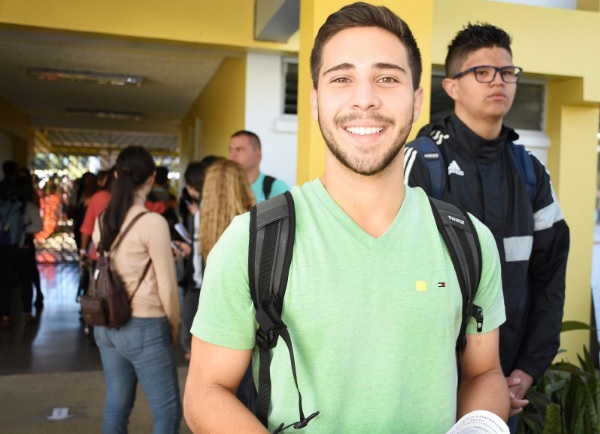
568	326
590	416
529	422
570	368
553	421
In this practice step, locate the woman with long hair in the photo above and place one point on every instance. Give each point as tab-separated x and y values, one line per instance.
226	193
142	349
193	265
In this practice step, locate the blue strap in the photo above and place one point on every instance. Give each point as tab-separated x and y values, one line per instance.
430	155
522	162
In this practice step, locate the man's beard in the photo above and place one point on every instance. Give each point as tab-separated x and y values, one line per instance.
367	166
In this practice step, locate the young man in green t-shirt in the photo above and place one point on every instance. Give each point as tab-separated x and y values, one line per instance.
373	306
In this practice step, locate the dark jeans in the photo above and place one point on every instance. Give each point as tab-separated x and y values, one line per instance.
188	312
15	262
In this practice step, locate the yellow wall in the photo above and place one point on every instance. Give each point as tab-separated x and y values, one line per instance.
225	23
13	120
313	13
574	126
221	110
16	124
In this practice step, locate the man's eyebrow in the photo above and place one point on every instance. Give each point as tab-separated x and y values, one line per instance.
383	65
340	67
379	65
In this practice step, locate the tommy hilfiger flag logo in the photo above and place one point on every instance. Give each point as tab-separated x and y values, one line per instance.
441	284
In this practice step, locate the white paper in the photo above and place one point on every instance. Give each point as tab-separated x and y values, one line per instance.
59	413
480	422
181	230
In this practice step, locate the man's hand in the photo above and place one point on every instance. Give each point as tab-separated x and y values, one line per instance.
518	383
181	249
84	258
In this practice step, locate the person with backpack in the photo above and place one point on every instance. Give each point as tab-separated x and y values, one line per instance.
141	349
471	160
19	221
245	149
373	306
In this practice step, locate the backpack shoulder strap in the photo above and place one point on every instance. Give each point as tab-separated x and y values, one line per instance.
462	242
522	162
272	233
117	243
431	156
267	185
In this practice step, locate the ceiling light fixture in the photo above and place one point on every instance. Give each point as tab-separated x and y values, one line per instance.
85	76
104	114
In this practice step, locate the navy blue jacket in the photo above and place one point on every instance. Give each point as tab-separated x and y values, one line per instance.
531	235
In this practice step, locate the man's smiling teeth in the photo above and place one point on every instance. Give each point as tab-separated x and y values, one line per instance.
363	131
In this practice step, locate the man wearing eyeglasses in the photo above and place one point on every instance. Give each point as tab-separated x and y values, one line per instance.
479	174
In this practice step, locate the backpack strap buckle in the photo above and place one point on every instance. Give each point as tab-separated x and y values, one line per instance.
269	322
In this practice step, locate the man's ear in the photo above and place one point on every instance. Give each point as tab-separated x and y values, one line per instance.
314	104
417	103
450	86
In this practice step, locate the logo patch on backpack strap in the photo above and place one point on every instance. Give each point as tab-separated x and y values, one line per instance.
431	155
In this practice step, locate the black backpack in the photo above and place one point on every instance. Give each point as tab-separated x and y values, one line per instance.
272	232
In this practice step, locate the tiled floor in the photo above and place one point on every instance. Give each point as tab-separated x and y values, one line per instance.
57	341
51	364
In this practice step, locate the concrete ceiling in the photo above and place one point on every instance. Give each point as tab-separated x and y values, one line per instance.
174	75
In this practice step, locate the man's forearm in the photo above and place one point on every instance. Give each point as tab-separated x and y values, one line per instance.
85	241
216	409
487	391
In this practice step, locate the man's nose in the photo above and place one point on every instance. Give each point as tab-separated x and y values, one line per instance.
365	96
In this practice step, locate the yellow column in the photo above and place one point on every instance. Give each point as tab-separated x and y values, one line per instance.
313	13
217	112
572	162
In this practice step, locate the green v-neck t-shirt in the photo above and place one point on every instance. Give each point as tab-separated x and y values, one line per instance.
373	321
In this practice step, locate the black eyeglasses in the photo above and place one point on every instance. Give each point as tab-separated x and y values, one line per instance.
487	73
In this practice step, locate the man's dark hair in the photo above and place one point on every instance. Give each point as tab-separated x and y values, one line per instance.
196	171
365	15
162	175
254	140
9	167
471	38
